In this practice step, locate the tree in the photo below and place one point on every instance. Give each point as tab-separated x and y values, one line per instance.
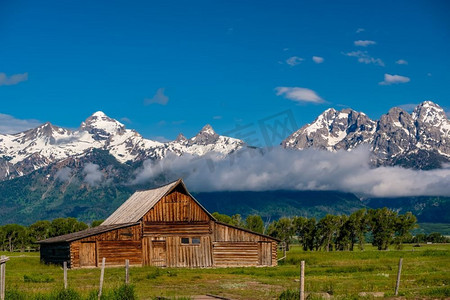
420	238
436	237
403	225
343	240
298	224
254	223
382	222
282	230
62	226
40	230
326	230
15	236
358	227
96	223
306	230
222	217
236	220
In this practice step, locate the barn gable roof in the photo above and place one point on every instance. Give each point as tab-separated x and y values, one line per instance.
141	202
85	233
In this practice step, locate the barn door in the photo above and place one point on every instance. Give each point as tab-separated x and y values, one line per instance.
88	254
158	255
265	253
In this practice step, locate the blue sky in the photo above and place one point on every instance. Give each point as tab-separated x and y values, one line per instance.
164	67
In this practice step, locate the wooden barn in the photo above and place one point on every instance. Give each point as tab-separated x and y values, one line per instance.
165	227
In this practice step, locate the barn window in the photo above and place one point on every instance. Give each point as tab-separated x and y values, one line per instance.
185	241
195	241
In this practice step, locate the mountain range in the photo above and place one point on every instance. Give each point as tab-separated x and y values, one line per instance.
25	152
419	140
49	171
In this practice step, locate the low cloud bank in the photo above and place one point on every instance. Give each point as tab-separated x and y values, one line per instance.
256	170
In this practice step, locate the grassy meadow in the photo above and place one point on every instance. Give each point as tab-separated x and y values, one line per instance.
425	274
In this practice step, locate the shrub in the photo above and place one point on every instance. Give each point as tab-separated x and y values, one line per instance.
37	277
124	292
154	274
289	295
14	295
68	294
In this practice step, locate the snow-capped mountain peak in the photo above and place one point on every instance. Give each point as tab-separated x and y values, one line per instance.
332	130
181	138
206	136
102	126
43	134
429	112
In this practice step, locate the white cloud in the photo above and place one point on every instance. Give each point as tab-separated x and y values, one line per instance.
92	173
409	107
254	170
394	79
9	124
63	174
317	59
160	138
401	62
294	60
158	98
359	30
126	120
364	43
299	94
364	57
13	79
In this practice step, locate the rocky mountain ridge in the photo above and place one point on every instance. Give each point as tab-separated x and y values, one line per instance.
419	140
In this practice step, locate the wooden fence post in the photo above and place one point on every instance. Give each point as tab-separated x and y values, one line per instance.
127	272
3	260
65	274
397	285
102	274
302	280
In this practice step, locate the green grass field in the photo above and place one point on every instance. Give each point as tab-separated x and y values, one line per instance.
426	274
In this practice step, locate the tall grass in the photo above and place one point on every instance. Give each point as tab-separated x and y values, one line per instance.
123	292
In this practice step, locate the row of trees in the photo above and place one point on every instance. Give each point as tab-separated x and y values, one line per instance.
15	237
383	227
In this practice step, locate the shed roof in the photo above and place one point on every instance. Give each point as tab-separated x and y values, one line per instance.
141	202
85	233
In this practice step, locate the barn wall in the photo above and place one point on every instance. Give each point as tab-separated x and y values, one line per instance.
175	216
182	228
175	253
236	247
224	233
115	245
55	253
176	207
235	254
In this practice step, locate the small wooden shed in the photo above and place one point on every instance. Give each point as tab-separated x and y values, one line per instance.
165	227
